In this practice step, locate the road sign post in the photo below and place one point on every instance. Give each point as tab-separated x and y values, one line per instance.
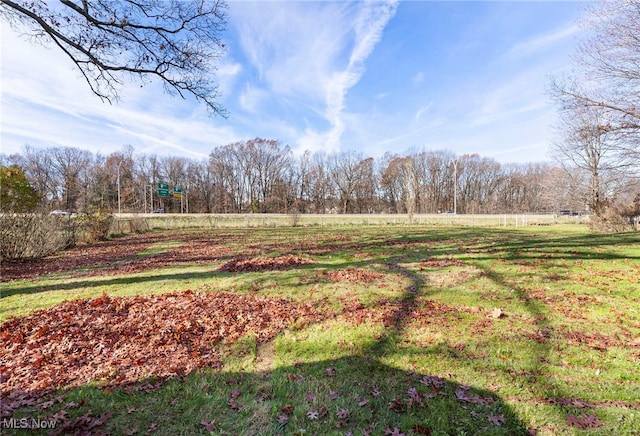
177	193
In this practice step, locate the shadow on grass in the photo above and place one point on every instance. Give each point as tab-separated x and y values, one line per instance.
351	394
357	394
476	243
376	397
33	288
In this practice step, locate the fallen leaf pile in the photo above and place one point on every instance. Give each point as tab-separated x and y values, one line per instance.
601	342
584	421
388	311
118	341
441	263
353	276
254	264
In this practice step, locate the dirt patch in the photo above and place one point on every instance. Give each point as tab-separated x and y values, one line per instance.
254	264
265	357
118	341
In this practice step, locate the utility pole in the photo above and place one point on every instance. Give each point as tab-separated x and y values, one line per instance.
119	185
455	186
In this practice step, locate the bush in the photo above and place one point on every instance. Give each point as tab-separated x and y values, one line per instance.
93	226
33	235
617	217
139	225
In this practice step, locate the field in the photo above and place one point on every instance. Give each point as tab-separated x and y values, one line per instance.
341	329
125	222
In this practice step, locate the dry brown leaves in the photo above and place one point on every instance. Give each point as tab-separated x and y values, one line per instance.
122	256
118	341
254	264
599	341
81	257
584	421
441	263
353	276
390	312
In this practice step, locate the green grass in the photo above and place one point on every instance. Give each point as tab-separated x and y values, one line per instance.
569	333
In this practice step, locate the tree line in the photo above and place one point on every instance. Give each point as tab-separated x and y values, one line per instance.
265	176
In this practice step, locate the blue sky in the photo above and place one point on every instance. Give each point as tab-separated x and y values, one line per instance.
469	77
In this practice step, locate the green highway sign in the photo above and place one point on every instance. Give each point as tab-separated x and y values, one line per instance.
163	190
177	191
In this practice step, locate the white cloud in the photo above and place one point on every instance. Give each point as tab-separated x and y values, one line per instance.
226	75
420	112
296	71
311	53
540	42
514	96
45	103
295	47
252	97
369	26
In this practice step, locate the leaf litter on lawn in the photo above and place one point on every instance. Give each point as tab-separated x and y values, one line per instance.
244	263
117	341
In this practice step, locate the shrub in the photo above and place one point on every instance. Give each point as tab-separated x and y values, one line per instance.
617	217
94	226
33	235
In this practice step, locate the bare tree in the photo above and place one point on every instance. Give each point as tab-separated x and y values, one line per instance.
345	172
200	182
600	101
262	176
610	58
410	187
301	180
478	180
268	160
392	181
70	167
366	186
37	166
399	183
320	187
100	190
589	142
176	42
435	187
231	185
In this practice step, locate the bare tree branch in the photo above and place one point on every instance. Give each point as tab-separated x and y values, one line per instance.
599	104
176	42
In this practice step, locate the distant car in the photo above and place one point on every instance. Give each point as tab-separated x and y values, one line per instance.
60	212
449	212
566	212
158	211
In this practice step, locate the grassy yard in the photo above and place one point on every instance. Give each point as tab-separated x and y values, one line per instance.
363	330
